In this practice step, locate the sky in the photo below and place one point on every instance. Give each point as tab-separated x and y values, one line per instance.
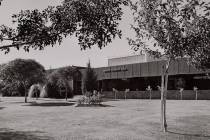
68	53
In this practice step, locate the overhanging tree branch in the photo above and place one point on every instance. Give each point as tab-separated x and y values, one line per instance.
14	45
93	23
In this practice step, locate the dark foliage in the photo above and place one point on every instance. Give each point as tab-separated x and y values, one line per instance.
93	22
35	91
10	134
53	91
12	89
175	28
89	80
59	80
19	74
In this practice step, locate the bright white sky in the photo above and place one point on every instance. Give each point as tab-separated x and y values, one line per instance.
68	53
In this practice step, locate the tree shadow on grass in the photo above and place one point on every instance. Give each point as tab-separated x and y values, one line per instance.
21	102
50	104
51	99
194	126
107	99
93	105
2	108
72	101
187	134
9	134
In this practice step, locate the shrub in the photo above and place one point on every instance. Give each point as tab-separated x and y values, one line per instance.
81	100
57	80
93	99
52	91
12	89
34	91
89	81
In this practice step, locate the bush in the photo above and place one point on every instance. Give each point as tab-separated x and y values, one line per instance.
93	99
12	89
34	91
52	91
58	80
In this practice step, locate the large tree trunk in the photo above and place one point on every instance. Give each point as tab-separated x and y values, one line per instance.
164	87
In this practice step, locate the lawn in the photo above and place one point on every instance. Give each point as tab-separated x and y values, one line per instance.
48	119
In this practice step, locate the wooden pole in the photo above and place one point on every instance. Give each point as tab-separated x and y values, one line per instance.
196	92
25	92
181	95
36	94
150	94
125	95
66	93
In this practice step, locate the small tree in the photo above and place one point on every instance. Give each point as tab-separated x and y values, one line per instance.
149	89
90	80
66	74
175	29
59	79
196	92
127	90
25	72
181	92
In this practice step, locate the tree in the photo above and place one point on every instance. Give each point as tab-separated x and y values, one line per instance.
12	89
25	72
59	79
90	79
176	29
68	73
92	22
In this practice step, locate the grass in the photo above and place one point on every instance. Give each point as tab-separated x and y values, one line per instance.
47	119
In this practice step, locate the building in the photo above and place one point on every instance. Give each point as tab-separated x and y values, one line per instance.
138	71
132	59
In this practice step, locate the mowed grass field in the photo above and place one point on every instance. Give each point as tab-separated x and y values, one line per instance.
56	119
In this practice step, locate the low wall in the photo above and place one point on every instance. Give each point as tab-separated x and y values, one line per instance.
171	94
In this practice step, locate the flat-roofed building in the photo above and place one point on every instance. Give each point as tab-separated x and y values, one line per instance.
139	71
132	59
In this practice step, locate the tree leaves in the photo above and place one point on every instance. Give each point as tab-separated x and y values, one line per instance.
90	79
180	28
20	70
93	22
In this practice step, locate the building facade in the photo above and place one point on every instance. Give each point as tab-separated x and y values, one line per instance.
138	72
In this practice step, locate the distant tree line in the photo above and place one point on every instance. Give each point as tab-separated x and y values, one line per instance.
17	76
